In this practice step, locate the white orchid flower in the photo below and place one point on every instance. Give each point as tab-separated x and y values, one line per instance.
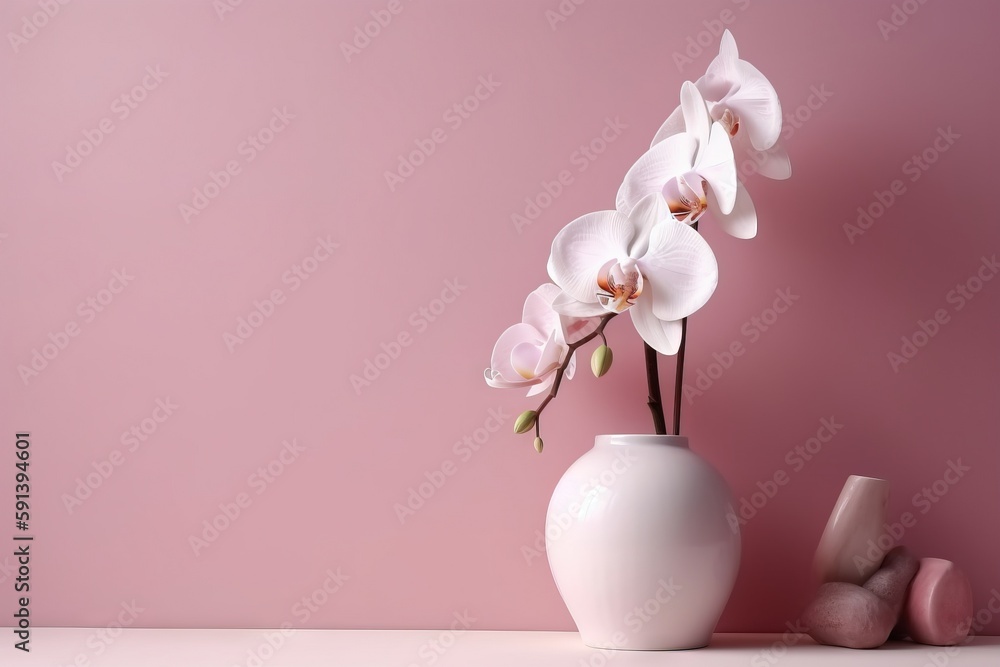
658	269
528	354
745	102
695	172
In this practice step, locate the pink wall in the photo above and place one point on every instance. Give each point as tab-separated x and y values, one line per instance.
340	126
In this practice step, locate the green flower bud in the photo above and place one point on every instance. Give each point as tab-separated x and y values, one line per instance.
538	445
600	362
525	422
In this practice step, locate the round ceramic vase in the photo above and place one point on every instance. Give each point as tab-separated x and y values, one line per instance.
643	542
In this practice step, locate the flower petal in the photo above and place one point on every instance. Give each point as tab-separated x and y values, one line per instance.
524	359
494	380
542	385
538	308
649	211
756	103
571	308
741	222
727	47
674	124
739	86
664	336
776	164
551	354
668	159
718	167
583	246
500	361
722	74
681	269
575	328
697	120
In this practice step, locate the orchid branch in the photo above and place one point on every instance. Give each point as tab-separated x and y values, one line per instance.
679	369
679	377
599	331
653	382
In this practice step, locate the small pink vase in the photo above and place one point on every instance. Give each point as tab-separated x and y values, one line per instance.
853	544
644	544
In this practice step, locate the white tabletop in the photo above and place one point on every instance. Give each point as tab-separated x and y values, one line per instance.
87	647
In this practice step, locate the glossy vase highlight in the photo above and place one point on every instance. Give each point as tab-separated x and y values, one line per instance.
643	542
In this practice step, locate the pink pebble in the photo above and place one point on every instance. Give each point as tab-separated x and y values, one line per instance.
939	608
891	580
848	615
845	614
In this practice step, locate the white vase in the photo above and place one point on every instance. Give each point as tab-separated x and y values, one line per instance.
644	543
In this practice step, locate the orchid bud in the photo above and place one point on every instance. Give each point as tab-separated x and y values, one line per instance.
600	362
525	422
538	445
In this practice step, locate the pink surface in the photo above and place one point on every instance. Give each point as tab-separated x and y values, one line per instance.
460	648
292	139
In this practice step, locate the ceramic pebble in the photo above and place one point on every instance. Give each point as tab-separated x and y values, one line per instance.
939	608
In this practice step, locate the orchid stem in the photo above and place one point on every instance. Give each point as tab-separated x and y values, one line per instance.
679	370
679	377
655	403
599	331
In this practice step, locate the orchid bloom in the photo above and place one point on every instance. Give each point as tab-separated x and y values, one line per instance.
529	353
645	262
742	99
695	172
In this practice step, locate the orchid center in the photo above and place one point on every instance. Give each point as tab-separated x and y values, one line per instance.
524	359
619	283
730	121
686	197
